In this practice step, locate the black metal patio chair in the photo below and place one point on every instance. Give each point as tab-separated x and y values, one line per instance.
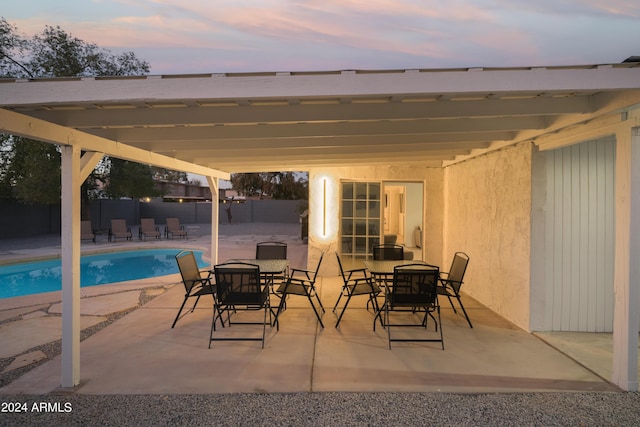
271	250
303	283
194	281
450	284
239	288
356	282
414	292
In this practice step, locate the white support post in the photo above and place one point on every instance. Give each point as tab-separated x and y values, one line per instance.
70	239
627	260
214	186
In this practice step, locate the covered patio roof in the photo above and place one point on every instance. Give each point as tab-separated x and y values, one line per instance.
255	122
215	124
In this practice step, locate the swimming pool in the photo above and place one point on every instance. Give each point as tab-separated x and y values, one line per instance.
112	267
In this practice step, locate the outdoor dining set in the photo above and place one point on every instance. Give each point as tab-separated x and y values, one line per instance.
394	285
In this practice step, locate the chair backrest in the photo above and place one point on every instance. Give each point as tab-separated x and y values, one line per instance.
315	274
390	239
457	270
147	224
341	269
238	283
173	224
271	250
188	269
385	252
342	273
414	285
118	226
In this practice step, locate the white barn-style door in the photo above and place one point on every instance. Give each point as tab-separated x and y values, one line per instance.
579	237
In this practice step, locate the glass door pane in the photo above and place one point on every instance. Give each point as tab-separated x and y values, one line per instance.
360	218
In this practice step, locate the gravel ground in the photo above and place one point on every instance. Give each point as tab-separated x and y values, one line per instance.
328	409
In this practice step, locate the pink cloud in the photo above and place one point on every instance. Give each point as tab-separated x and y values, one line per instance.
346	33
616	7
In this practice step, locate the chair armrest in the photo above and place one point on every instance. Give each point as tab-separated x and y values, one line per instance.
291	281
299	270
349	273
203	281
298	281
453	284
359	280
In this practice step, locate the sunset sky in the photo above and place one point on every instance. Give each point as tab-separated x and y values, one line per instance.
209	36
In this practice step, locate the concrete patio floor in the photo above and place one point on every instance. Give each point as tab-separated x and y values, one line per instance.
140	354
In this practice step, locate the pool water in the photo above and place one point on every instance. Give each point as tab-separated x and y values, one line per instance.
46	276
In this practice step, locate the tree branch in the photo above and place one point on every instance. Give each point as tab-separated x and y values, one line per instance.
25	69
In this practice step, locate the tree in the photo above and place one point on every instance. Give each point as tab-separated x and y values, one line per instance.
31	169
289	187
162	174
11	46
278	185
56	53
248	184
129	179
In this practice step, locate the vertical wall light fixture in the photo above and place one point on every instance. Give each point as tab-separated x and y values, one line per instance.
324	207
323	223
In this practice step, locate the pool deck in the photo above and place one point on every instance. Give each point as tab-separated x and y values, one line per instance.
141	354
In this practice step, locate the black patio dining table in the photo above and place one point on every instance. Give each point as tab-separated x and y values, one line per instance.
269	268
382	269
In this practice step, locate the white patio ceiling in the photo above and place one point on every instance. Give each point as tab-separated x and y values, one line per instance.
294	121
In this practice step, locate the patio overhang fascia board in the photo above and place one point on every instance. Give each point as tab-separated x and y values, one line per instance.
291	85
606	110
29	127
610	109
594	129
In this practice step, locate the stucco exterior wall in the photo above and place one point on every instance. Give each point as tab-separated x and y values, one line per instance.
324	217
481	206
488	216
